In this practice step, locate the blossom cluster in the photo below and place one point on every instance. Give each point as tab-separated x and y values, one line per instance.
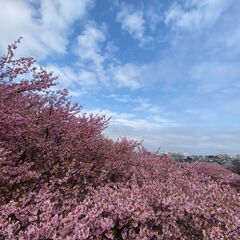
61	178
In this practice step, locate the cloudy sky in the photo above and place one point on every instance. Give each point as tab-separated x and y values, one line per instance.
167	72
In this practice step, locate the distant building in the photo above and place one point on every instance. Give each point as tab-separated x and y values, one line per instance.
223	156
179	156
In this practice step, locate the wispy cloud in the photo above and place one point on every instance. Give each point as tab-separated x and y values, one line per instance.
167	134
193	14
127	75
139	104
213	76
91	52
96	53
77	82
127	124
132	20
45	25
97	66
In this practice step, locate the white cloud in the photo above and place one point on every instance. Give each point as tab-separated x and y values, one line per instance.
193	13
92	52
154	17
212	75
153	129
95	54
142	104
146	105
89	44
88	79
77	82
67	76
133	22
133	121
171	136
127	75
96	66
110	114
44	26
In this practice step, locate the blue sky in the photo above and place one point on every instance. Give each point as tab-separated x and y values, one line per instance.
168	72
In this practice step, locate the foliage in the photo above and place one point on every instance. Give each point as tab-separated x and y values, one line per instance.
219	172
236	166
61	178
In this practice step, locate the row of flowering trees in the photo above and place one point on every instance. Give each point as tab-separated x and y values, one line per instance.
61	178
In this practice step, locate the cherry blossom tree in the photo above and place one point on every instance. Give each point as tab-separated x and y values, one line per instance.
62	178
